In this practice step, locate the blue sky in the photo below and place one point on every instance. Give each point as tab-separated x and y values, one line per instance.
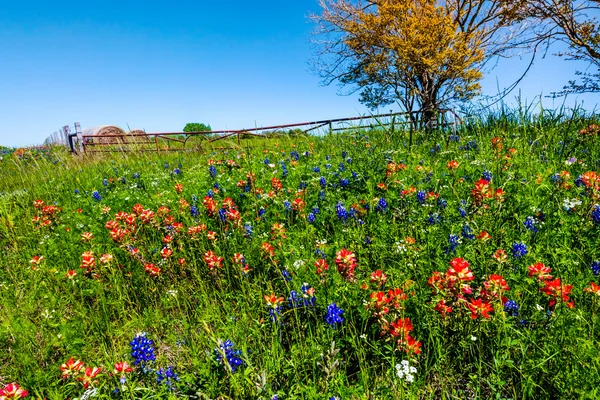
157	65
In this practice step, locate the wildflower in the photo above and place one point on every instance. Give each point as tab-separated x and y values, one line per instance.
341	211
405	371
96	195
346	263
212	171
459	271
500	256
86	236
226	354
71	274
452	165
453	242
142	350
596	214
593	289
381	205
178	187
321	266
378	277
12	391
483	236
106	258
152	269
334	315
487	175
213	261
70	368
540	271
558	292
511	308
88	376
595	268
479	308
166	376
531	224
519	250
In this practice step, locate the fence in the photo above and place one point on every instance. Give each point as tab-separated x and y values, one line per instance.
64	137
153	141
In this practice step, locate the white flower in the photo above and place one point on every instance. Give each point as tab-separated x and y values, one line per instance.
298	263
473	338
538	307
172	292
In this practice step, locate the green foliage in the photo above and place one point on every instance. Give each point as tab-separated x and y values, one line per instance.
196	127
188	309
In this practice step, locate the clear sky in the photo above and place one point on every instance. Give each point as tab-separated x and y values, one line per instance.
157	65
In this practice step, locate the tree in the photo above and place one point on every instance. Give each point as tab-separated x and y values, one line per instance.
196	127
569	22
424	54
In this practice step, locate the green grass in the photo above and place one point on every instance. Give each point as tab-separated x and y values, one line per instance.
547	351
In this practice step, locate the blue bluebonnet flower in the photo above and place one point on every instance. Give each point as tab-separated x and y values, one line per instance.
210	193
487	175
212	170
76	191
223	215
274	397
467	232
310	217
308	295
349	160
295	155
334	315
531	224
231	355
216	185
166	165
105	182
463	212
321	195
596	268
166	377
435	149
328	166
381	205
176	171
512	308
136	175
320	253
579	181
519	250
344	182
433	218
96	195
596	214
342	167
284	170
442	203
316	169
142	350
261	211
287	205
421	196
267	161
323	182
453	242
302	185
286	275
555	178
341	211
194	212
315	210
454	138
368	240
248	230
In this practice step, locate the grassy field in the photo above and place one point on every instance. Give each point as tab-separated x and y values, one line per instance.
349	266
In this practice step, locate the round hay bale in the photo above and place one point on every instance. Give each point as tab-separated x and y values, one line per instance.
107	134
137	136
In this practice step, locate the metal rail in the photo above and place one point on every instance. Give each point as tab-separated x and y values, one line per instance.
135	144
